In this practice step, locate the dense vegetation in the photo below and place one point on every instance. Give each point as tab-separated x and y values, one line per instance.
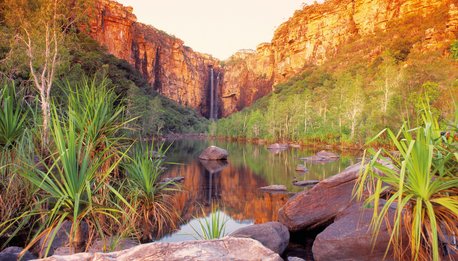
371	83
345	107
419	182
71	116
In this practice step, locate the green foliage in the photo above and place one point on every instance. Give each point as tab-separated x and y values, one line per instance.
71	187
12	117
421	185
95	112
347	106
155	114
454	50
212	227
150	194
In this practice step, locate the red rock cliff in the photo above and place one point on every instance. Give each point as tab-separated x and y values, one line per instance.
170	67
317	33
312	36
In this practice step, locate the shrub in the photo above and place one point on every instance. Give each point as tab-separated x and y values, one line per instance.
422	187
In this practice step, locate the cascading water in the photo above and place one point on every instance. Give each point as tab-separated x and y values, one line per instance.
216	96
212	95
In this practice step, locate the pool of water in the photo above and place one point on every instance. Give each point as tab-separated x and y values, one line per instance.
234	185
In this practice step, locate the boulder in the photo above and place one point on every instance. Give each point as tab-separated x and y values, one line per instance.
274	188
350	237
213	153
228	248
301	168
272	235
12	254
61	240
214	166
320	205
327	154
305	183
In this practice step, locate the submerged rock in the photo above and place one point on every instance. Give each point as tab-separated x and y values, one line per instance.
327	154
301	168
272	235
274	188
214	153
228	248
322	157
315	207
350	237
12	254
304	183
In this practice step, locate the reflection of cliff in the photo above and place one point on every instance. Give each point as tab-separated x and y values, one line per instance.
234	189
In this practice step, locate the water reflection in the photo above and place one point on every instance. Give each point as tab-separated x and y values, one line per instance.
234	185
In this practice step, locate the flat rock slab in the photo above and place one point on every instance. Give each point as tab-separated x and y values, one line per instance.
273	235
320	205
350	237
214	153
274	188
228	248
305	183
327	154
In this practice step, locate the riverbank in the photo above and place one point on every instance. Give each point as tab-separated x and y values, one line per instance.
312	143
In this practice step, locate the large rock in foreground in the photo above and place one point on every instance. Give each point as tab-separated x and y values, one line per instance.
228	248
320	205
350	237
12	254
214	153
272	235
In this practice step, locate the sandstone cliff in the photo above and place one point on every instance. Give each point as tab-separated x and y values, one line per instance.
312	36
319	32
170	67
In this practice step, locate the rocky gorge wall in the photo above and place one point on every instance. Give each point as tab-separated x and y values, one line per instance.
171	68
312	36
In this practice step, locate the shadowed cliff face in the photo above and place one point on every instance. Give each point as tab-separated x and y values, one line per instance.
171	68
312	36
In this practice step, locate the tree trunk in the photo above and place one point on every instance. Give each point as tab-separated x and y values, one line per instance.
46	117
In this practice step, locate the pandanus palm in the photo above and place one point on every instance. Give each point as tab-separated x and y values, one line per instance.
12	117
144	171
422	186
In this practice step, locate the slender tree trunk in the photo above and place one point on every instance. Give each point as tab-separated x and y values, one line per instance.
46	114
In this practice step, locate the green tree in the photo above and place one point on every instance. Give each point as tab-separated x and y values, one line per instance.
41	29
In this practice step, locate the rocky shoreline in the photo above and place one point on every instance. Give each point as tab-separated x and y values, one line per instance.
340	225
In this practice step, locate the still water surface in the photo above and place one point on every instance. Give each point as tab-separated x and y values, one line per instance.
234	185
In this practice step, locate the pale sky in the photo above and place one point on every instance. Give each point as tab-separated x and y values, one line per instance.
219	28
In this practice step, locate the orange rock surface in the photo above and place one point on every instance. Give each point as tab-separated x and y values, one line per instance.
312	36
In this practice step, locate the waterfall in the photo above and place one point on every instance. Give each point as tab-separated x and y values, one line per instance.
216	96
212	95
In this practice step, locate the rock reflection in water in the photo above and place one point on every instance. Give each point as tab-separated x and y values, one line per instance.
234	184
